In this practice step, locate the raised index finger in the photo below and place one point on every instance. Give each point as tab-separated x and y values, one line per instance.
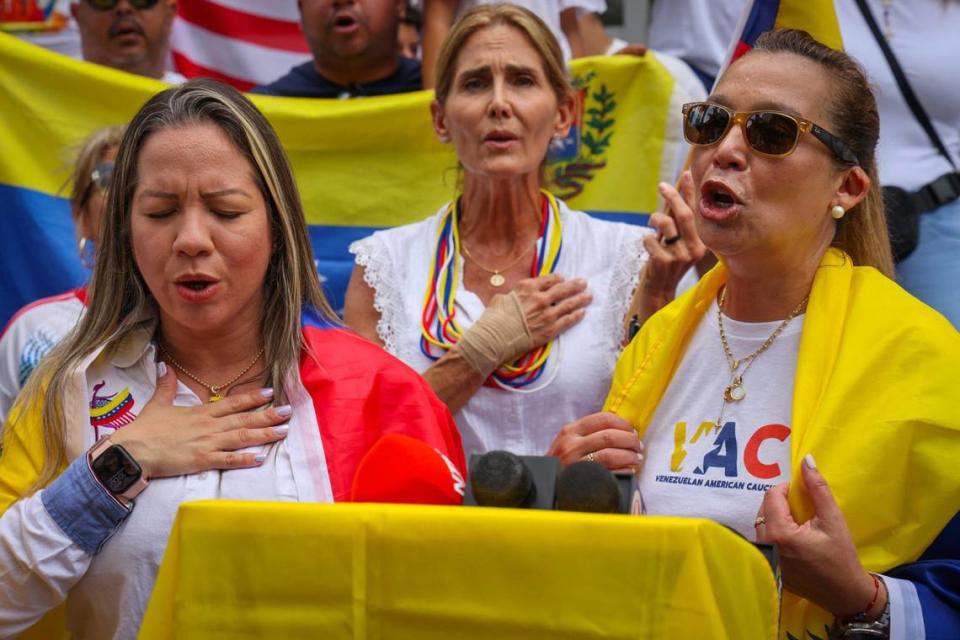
240	402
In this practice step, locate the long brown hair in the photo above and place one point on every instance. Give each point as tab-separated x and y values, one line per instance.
119	300
853	115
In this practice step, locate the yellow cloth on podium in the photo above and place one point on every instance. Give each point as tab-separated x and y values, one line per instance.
362	571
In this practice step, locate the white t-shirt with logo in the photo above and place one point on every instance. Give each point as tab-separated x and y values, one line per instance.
692	467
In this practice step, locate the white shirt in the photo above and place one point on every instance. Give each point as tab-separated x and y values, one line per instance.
695	469
107	594
925	38
609	256
699	32
29	336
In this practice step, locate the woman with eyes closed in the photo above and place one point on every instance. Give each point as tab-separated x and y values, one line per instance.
797	394
207	366
510	303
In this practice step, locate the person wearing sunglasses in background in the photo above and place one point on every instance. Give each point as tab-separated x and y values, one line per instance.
38	327
797	394
129	35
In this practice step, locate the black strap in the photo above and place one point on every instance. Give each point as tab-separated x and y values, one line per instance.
901	79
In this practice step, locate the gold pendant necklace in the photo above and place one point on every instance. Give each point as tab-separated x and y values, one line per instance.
496	277
214	388
735	391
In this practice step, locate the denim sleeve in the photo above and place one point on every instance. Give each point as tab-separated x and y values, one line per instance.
82	507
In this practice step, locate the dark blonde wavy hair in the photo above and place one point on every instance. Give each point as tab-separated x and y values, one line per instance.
119	299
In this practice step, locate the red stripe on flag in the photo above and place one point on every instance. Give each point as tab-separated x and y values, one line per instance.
741	48
266	32
191	69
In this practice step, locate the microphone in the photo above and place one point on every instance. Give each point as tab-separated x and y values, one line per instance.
401	469
587	486
504	479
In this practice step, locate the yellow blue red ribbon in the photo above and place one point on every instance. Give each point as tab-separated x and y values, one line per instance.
439	330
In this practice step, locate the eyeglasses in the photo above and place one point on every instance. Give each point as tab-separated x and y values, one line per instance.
99	178
101	175
107	5
772	133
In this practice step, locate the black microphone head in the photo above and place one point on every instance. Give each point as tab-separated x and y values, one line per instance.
501	479
587	486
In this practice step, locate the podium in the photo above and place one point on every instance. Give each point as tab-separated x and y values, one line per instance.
372	571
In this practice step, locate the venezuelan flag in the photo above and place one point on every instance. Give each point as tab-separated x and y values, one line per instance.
817	17
361	165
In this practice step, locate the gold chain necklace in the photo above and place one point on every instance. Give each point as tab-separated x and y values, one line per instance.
214	388
496	279
735	392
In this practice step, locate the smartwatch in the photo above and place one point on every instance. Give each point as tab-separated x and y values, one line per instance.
116	470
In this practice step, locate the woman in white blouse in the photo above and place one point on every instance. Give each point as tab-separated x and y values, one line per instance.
473	296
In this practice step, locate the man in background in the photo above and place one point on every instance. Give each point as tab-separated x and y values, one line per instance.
129	35
355	52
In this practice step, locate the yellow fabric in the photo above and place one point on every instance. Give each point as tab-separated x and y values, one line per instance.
816	17
372	162
874	401
358	571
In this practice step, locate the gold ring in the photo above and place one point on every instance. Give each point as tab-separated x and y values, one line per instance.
759	521
591	456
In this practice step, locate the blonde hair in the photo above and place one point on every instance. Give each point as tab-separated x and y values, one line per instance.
90	153
119	299
486	16
852	109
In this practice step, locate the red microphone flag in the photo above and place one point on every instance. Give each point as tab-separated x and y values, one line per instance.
402	469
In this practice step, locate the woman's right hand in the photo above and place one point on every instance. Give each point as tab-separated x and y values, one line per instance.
551	305
535	312
169	441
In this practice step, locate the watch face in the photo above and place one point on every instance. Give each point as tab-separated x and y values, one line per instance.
116	469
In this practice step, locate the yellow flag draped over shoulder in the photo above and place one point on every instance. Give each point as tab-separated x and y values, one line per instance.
874	401
360	164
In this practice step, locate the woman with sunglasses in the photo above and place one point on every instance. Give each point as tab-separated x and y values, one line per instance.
37	327
797	394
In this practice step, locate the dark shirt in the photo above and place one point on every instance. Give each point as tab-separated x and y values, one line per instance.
304	81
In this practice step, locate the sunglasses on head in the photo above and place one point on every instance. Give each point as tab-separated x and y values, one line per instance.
107	5
101	175
772	133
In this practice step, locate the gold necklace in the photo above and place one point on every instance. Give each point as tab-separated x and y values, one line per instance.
214	388
735	392
496	279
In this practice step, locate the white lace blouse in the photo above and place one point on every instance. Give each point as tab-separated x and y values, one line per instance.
608	255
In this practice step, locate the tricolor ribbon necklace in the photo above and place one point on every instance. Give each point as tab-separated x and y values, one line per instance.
439	329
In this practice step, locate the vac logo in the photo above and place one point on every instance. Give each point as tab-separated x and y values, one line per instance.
722	463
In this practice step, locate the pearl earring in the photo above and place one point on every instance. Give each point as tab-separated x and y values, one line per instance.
837	212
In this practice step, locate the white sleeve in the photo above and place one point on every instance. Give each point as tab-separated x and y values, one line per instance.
10	348
380	274
906	616
39	565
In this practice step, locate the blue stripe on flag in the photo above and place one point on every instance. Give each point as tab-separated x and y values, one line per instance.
763	15
39	249
39	245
